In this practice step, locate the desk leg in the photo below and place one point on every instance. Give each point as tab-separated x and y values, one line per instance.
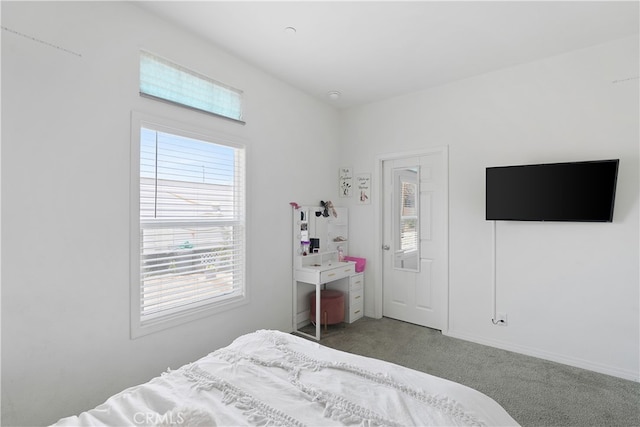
318	326
295	312
294	319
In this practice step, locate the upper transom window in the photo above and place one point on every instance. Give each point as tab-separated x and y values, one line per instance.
166	81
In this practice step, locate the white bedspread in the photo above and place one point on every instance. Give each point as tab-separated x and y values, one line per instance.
272	378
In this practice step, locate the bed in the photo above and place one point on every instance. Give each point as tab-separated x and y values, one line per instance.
271	378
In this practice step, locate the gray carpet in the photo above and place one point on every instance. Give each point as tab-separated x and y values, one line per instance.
535	392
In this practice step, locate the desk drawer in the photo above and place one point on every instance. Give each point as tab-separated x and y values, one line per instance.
356	282
356	311
355	298
338	272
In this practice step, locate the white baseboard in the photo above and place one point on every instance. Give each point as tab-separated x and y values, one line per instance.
553	357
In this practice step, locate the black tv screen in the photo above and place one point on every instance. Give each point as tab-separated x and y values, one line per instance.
577	191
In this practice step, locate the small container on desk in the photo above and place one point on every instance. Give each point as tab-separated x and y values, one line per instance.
360	262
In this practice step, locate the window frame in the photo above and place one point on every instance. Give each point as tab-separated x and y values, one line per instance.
195	311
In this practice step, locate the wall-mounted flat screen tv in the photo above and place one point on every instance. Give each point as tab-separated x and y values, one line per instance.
577	191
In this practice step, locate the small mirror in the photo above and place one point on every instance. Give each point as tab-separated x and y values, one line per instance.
406	218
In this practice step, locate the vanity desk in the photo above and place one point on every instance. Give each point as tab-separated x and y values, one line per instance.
317	239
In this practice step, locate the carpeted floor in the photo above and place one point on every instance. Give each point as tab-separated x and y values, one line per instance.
535	392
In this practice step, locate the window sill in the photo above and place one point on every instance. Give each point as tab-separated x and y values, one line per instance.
160	323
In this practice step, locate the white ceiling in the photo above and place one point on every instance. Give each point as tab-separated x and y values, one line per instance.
373	50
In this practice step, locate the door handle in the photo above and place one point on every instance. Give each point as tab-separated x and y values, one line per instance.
386	247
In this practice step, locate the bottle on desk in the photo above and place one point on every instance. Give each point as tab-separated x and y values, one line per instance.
340	254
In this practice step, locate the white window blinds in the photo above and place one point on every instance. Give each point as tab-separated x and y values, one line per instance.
162	79
192	223
408	217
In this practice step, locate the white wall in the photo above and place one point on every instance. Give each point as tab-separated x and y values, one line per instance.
571	290
65	201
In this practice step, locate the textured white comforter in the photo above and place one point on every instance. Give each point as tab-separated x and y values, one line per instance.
272	378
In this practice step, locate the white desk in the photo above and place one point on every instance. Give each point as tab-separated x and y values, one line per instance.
317	270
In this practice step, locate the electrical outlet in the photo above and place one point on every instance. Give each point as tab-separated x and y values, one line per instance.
501	319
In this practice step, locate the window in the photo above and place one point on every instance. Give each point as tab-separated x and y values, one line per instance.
188	238
408	214
163	80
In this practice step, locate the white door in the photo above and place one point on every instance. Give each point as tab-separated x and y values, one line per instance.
415	270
